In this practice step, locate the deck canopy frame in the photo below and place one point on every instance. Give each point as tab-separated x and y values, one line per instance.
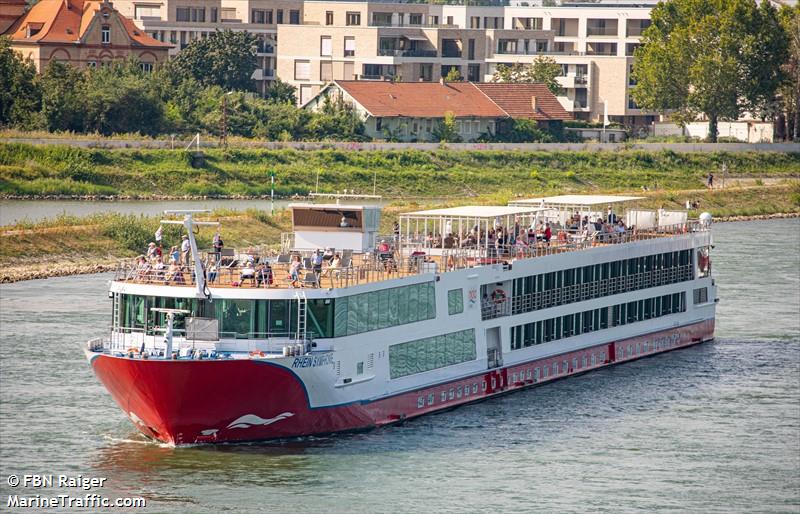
585	205
458	221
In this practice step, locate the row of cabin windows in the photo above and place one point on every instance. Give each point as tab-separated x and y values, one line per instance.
619	277
431	353
553	329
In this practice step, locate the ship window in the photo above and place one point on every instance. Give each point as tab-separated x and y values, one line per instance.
458	392
555	368
514	378
444	396
455	301
382	309
451	394
466	390
594	360
585	361
536	374
420	402
529	374
431	353
575	364
431	398
360	368
565	367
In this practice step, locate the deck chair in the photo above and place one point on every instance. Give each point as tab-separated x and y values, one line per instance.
310	279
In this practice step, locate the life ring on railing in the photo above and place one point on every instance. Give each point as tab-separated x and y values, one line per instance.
498	296
257	354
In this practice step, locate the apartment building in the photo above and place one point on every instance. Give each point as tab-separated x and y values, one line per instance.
344	40
180	22
322	41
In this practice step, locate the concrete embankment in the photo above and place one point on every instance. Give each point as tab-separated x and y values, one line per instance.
88	265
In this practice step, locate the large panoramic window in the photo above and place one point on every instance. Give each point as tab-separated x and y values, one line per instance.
383	309
431	353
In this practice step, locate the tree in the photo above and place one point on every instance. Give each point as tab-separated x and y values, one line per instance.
453	75
789	90
446	130
122	99
63	94
226	59
336	120
543	70
281	92
711	57
20	95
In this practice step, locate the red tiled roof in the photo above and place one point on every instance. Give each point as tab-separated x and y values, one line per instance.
63	21
517	101
421	99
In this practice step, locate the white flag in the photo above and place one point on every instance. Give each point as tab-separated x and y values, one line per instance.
158	234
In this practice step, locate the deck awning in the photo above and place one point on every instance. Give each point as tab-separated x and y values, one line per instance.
474	212
574	200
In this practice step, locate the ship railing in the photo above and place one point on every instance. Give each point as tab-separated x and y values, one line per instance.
277	275
126	339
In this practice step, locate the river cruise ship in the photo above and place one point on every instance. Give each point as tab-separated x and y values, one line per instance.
347	329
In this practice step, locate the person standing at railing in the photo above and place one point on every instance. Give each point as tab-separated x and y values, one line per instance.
218	245
185	249
294	270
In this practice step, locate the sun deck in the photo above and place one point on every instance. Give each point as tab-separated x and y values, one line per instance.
411	256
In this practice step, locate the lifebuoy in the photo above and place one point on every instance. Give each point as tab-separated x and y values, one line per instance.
498	296
257	354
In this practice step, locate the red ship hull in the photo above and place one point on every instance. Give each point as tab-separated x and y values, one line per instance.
199	401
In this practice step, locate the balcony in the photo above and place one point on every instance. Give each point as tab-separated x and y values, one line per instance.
602	28
391	52
572	105
572	81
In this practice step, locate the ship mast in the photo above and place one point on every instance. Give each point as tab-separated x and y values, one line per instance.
189	223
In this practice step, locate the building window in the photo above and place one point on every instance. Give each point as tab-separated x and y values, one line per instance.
414	19
214	15
147	11
450	20
541	46
471	50
294	17
353	18
632	103
262	16
455	300
474	72
302	70
426	72
349	46
325	46
146	67
326	71
279	16
91	64
434	20
328	17
474	22
182	14
105	32
228	14
631	80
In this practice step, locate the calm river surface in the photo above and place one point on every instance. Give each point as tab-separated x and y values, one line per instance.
714	428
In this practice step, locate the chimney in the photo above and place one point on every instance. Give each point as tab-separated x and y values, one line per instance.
533	104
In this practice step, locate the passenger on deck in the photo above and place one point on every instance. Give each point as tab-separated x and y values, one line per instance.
159	268
294	270
152	252
174	273
264	274
185	248
449	241
142	268
316	261
218	244
548	234
248	273
174	254
212	273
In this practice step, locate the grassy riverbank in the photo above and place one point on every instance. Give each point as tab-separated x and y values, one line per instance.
39	171
72	245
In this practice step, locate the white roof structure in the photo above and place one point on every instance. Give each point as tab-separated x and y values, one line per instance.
587	200
333	206
474	211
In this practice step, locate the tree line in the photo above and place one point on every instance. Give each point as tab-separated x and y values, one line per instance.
181	96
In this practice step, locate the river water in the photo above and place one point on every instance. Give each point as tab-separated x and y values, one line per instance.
713	428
